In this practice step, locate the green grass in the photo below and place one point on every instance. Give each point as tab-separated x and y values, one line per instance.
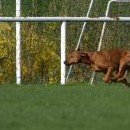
67	107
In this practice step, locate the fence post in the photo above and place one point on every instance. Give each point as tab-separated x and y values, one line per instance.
101	36
63	46
18	44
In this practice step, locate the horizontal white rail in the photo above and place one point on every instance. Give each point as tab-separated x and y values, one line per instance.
122	0
61	19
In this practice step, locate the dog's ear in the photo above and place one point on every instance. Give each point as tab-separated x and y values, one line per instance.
83	54
124	53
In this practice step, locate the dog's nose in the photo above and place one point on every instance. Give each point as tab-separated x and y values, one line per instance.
65	62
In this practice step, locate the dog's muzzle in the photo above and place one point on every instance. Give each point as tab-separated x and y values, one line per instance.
65	62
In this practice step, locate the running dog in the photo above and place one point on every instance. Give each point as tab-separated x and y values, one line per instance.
105	61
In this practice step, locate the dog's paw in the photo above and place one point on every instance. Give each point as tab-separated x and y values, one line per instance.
107	80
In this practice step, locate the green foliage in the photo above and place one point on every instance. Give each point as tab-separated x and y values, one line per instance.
7	53
39	55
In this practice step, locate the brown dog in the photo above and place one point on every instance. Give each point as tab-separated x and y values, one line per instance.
124	65
105	61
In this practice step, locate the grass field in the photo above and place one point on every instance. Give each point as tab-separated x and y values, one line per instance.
67	107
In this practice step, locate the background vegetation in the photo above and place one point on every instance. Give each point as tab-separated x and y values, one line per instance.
41	41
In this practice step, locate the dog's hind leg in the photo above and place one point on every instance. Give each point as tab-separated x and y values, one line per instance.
122	75
122	72
108	74
123	79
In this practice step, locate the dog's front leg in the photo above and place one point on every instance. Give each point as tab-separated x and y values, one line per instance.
108	74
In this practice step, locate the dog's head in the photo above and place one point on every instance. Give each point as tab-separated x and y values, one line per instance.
76	57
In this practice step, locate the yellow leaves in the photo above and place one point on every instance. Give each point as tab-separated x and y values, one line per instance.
3	52
7	57
51	61
4	39
5	27
53	26
40	58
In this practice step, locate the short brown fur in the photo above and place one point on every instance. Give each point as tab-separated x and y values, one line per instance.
105	61
124	65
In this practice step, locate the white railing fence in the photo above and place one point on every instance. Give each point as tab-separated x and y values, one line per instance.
19	19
